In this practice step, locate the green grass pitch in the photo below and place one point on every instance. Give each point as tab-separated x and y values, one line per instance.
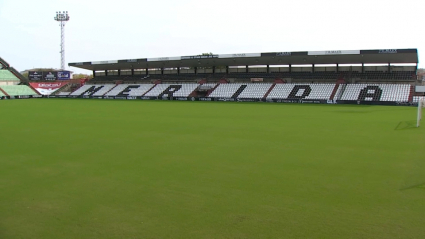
72	168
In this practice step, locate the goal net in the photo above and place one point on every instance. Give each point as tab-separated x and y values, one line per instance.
421	105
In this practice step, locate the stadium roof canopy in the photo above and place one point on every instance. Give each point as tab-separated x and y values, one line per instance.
380	56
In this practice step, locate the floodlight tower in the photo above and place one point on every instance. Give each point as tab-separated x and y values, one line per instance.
62	18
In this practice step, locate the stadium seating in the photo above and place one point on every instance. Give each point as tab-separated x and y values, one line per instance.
290	91
376	92
379	75
255	90
88	90
17	74
158	89
81	90
211	85
6	75
332	75
302	91
16	90
186	90
132	90
172	90
416	98
103	90
226	90
300	76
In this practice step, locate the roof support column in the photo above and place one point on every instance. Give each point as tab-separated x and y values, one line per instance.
196	70
132	72
227	69
246	69
94	73
178	70
312	68
362	67
268	69
337	67
389	67
106	72
290	68
147	71
162	70
119	72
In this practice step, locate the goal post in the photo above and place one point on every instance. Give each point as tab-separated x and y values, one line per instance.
421	105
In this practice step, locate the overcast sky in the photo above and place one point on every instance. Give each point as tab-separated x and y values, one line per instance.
122	29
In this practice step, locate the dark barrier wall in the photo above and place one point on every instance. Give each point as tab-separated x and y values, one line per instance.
296	101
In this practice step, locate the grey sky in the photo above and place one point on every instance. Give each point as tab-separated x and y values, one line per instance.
111	29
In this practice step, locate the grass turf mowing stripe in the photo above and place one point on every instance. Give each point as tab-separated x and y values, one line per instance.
105	169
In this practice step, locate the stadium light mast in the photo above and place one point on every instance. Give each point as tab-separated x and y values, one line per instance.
62	18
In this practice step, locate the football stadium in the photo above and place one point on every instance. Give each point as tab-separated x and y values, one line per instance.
315	144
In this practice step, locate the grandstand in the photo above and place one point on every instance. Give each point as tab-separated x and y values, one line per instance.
353	65
319	92
299	91
383	76
124	90
8	78
18	90
13	84
10	74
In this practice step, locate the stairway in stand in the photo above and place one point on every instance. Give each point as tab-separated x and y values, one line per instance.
4	92
212	90
18	75
270	90
4	63
412	91
32	88
335	90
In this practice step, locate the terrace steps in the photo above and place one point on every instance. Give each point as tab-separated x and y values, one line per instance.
62	89
4	92
412	92
212	90
334	91
32	88
270	90
4	63
18	75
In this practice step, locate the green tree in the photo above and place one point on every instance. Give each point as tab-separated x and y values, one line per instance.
25	74
80	76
